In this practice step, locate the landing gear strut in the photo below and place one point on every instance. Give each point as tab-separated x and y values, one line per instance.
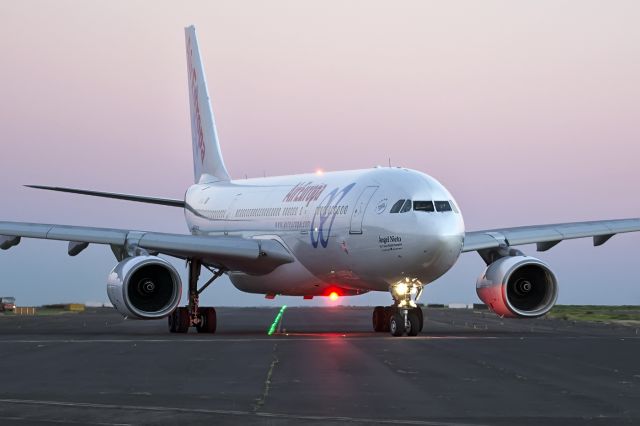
405	316
202	318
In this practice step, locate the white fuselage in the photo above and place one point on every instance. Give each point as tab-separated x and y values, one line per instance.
338	226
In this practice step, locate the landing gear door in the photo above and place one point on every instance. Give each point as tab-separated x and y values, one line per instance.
360	208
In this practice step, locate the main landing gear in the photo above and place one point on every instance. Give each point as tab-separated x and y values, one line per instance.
405	316
202	318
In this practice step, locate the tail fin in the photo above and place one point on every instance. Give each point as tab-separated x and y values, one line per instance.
208	165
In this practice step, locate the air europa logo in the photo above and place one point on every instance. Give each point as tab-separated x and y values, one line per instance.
304	191
325	215
193	85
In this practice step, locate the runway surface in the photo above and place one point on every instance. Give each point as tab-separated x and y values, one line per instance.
468	367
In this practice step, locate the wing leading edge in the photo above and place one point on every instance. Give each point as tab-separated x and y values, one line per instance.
547	236
247	255
115	195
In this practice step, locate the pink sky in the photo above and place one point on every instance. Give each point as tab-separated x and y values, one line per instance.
527	112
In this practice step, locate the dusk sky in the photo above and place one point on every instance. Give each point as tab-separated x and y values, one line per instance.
528	112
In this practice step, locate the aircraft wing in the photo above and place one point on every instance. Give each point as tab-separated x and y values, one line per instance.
115	195
248	255
547	236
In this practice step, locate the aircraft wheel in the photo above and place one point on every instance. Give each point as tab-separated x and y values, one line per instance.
378	319
208	321
173	321
388	313
396	324
182	320
420	314
415	323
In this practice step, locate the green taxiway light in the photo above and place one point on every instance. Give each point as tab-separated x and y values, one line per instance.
276	321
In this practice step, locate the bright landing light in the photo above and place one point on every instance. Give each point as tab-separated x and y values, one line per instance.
402	289
333	296
319	172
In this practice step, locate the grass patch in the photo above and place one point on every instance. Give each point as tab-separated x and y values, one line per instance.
596	313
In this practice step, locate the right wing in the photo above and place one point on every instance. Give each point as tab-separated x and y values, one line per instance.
252	256
547	236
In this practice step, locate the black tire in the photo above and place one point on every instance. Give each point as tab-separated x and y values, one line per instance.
414	323
396	325
208	321
378	319
182	320
421	316
388	312
173	321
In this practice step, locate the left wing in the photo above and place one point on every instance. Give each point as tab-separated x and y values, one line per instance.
547	236
115	195
253	256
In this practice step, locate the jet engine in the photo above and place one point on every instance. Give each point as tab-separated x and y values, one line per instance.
144	287
518	287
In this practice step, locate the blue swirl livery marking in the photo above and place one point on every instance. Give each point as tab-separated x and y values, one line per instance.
325	215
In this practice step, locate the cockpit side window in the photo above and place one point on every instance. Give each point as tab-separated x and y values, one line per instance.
442	206
423	206
406	207
396	207
454	207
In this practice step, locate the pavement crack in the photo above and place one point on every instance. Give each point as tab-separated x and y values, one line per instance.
267	383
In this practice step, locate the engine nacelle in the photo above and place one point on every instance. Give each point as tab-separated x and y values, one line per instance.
518	286
144	287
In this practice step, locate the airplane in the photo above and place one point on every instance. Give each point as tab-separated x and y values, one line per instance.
343	233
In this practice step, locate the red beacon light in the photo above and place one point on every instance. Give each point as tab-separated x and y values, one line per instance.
333	293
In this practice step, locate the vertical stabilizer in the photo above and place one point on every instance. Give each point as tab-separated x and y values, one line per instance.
208	165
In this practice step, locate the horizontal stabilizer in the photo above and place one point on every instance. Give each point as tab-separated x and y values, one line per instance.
117	196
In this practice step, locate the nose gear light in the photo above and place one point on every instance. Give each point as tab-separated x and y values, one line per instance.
405	294
405	289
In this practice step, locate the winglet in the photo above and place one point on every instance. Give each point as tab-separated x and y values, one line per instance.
208	165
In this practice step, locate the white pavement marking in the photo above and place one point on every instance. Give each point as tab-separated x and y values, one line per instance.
258	339
65	421
294	338
231	413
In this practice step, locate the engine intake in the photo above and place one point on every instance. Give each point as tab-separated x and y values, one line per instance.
144	287
518	286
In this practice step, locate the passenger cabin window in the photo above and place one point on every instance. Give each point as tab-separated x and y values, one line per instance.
397	206
423	206
443	206
406	207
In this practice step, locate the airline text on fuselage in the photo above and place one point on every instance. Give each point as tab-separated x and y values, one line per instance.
304	191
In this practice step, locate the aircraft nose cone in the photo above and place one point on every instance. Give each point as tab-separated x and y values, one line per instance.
442	238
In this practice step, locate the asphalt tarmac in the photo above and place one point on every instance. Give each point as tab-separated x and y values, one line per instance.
325	367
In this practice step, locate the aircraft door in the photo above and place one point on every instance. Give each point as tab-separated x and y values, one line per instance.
360	208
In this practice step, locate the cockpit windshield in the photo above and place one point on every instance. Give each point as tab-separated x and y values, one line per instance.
423	206
406	207
442	206
403	206
397	206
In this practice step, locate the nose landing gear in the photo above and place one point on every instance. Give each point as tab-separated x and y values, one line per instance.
405	316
